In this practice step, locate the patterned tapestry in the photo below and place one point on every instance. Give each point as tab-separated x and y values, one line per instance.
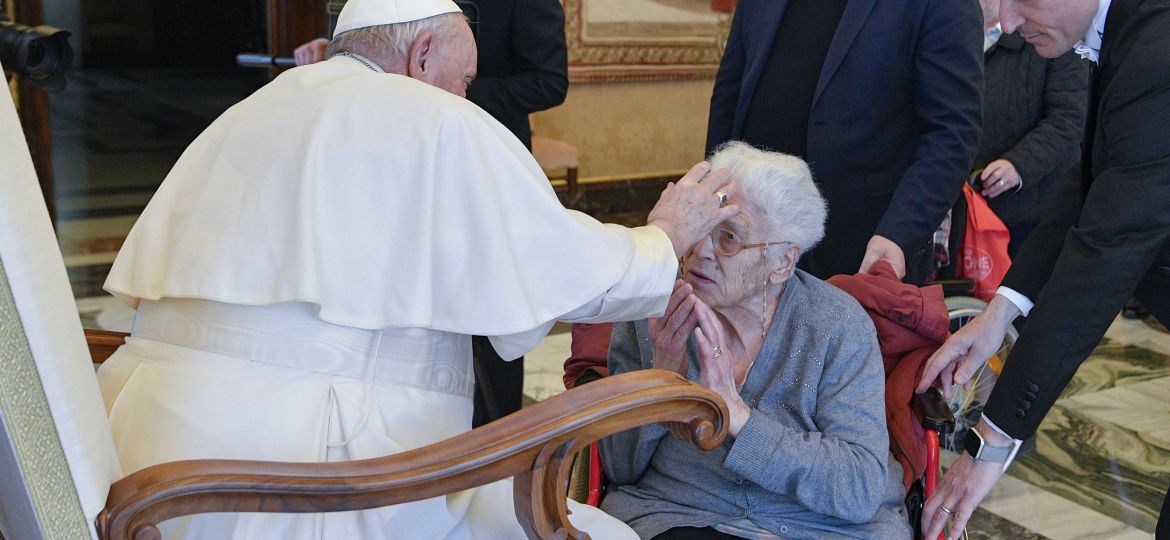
621	40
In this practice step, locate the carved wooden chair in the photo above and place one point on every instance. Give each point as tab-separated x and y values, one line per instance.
59	473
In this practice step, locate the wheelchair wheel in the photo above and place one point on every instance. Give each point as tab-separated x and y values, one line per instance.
967	403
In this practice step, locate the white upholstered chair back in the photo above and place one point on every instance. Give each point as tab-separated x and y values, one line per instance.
57	458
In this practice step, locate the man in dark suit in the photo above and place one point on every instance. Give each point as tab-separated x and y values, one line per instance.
1105	237
523	60
1033	123
523	68
880	97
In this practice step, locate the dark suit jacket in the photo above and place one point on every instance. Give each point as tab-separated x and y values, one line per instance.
894	123
1033	116
1107	234
523	61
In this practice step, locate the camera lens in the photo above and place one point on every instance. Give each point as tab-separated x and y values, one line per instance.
36	53
41	55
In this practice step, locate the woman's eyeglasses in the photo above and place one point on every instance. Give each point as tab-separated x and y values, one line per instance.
728	243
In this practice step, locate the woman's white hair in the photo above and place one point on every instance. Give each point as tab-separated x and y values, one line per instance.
390	42
779	185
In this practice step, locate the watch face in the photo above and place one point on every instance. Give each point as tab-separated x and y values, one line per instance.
973	443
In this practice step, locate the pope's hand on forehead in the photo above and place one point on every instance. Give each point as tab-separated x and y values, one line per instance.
689	209
708	188
712	180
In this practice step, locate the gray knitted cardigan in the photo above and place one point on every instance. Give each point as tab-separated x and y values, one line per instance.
813	459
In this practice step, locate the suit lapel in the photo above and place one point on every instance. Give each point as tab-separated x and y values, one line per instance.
856	12
1120	17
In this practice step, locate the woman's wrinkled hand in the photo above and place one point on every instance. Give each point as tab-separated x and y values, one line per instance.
715	367
689	209
669	333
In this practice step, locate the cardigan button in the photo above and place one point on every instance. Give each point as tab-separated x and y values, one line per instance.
1020	413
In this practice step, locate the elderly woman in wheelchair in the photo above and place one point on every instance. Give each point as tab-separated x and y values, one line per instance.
799	366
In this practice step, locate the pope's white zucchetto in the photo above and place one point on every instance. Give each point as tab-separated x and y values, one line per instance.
363	13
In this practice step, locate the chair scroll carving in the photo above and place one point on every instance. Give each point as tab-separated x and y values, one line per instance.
535	445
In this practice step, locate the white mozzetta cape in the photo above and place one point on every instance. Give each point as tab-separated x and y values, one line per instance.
387	203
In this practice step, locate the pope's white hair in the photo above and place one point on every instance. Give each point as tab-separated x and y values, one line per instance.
779	185
390	43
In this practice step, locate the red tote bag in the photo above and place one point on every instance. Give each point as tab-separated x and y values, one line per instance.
985	255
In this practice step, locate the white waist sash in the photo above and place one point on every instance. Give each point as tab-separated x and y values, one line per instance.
291	335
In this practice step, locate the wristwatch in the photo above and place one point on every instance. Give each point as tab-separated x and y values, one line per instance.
979	450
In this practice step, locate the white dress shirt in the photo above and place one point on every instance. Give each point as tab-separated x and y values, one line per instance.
1090	47
991	37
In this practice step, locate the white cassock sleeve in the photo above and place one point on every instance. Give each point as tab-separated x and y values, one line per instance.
642	291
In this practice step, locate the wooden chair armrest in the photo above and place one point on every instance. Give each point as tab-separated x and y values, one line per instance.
536	445
103	343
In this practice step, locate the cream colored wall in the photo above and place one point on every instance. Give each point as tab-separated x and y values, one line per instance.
626	128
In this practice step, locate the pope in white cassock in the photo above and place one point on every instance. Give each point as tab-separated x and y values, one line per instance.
305	286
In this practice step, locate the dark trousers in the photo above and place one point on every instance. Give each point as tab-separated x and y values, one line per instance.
1019	234
499	385
1163	530
691	533
1154	292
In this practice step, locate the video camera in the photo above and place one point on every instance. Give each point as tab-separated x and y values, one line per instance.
41	55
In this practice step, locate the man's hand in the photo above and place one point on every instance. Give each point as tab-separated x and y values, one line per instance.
881	248
669	333
311	52
688	210
999	176
962	488
957	360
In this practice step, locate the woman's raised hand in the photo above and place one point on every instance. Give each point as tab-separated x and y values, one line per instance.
669	333
715	370
688	209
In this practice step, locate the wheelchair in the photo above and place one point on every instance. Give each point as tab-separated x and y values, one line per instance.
966	403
